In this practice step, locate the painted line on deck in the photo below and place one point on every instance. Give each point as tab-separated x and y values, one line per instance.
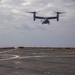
10	56
45	56
31	57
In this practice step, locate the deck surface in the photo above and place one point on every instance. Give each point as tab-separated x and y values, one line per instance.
37	62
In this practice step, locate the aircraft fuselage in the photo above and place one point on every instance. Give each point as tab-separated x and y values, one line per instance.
46	21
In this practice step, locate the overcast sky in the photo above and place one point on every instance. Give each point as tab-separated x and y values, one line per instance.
17	27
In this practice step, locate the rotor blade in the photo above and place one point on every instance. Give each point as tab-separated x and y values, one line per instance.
59	12
38	11
33	12
30	12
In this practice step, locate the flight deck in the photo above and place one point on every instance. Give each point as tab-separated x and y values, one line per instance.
37	61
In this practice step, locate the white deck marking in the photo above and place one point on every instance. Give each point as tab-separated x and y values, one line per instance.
31	57
10	56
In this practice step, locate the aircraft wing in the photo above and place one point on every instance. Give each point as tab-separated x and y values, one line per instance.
38	17
51	17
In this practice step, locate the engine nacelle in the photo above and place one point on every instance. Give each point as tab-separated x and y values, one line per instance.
57	16
34	16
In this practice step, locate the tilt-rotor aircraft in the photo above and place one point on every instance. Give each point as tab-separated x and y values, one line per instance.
46	19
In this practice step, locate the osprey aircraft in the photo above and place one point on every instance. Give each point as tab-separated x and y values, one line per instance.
46	19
